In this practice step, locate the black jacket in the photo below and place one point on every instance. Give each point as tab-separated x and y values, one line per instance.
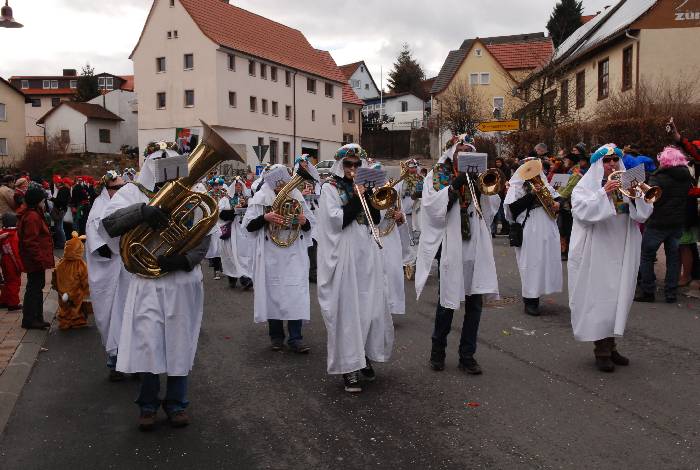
670	209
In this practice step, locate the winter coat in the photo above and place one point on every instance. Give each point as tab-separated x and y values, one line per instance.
35	240
7	199
670	209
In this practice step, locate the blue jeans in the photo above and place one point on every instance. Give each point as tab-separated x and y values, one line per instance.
470	327
277	330
175	395
651	241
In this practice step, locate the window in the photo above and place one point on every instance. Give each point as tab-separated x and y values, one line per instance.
264	106
355	83
603	79
231	62
274	147
188	61
275	108
288	78
581	89
25	84
564	98
54	84
477	52
253	104
288	113
251	68
160	100
36	103
55	101
232	99
105	136
46	84
74	84
485	78
175	34
313	114
311	85
3	112
106	83
473	78
263	71
273	74
498	103
329	90
362	68
189	98
65	135
285	153
333	119
172	3
170	34
351	115
348	139
627	68
3	146
366	86
160	64
404	106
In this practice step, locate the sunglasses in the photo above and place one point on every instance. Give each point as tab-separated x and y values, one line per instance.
611	159
349	164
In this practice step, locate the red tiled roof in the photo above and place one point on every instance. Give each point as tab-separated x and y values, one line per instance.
522	55
128	84
91	111
586	18
238	29
48	91
349	69
349	96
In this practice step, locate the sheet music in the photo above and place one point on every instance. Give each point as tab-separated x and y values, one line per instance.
471	162
560	180
370	177
277	177
633	177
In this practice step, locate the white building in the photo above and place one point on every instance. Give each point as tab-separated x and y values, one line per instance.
360	80
82	127
392	103
124	104
255	81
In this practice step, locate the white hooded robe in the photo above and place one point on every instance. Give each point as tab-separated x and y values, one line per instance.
236	252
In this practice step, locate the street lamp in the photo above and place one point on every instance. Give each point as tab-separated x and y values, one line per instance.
6	19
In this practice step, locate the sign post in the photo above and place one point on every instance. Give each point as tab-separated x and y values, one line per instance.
499	126
260	151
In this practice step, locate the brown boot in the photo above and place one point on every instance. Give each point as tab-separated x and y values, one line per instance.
147	420
179	419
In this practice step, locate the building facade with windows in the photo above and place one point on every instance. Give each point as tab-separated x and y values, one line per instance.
360	80
392	103
12	124
642	46
209	60
351	117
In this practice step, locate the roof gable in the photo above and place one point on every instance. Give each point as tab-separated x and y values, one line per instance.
89	110
350	97
349	69
2	80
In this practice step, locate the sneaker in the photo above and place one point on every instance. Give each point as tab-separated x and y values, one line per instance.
36	325
277	344
368	373
217	276
299	348
352	382
147	420
604	364
116	376
470	366
644	297
618	359
178	419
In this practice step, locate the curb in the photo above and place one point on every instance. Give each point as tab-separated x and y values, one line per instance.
17	372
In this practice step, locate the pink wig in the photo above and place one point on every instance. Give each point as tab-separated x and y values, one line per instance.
671	156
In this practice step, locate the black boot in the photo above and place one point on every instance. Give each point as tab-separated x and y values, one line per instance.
437	359
232	282
532	306
645	297
604	363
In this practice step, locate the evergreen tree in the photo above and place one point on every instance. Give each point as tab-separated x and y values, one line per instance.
564	20
87	84
407	74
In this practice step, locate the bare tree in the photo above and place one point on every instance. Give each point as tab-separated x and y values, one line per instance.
462	108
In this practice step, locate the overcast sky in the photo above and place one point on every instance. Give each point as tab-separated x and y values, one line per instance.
61	34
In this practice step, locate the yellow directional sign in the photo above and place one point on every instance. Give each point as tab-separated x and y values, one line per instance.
499	126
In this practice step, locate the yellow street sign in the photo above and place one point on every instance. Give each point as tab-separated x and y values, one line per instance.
499	126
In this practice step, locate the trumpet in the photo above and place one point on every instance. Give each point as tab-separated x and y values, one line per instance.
368	215
637	190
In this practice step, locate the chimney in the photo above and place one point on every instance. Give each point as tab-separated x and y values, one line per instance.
70	72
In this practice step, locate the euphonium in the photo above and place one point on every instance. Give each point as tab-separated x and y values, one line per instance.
530	172
141	246
386	196
290	209
650	194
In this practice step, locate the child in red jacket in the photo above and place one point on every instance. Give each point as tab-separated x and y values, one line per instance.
11	263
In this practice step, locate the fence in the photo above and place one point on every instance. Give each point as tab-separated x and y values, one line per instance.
397	145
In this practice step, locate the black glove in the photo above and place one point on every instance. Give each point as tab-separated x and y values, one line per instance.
452	197
227	215
459	181
155	217
174	263
104	251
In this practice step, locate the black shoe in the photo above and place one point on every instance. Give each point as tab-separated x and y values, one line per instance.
670	299
299	348
3	305
531	307
618	359
277	344
368	373
604	364
437	359
470	366
352	382
644	297
36	325
14	308
232	282
247	283
116	376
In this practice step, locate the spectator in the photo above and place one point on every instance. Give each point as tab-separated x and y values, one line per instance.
7	195
665	224
500	215
21	186
80	204
58	212
542	152
10	262
36	253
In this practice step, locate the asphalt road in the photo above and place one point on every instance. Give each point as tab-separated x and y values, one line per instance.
541	403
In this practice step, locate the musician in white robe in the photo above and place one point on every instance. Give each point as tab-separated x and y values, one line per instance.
453	230
103	274
311	193
539	257
407	190
283	271
351	290
235	246
604	257
162	316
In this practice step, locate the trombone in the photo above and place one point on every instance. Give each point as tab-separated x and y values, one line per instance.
368	215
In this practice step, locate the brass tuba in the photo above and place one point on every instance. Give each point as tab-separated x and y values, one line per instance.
289	208
650	194
386	196
530	172
141	246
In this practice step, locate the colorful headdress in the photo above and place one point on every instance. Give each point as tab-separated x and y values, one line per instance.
606	150
216	180
464	139
350	150
301	158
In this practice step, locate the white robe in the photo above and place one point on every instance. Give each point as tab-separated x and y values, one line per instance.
103	277
393	270
539	258
603	259
467	267
236	252
409	249
280	275
351	290
162	317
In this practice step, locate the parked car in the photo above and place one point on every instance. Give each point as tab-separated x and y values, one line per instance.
404	121
324	168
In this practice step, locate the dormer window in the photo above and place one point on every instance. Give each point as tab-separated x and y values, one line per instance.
478	52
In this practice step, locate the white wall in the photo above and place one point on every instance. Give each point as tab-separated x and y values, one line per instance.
120	102
393	105
32	115
366	88
93	136
66	118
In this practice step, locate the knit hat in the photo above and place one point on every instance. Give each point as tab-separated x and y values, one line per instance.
9	219
34	196
581	148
